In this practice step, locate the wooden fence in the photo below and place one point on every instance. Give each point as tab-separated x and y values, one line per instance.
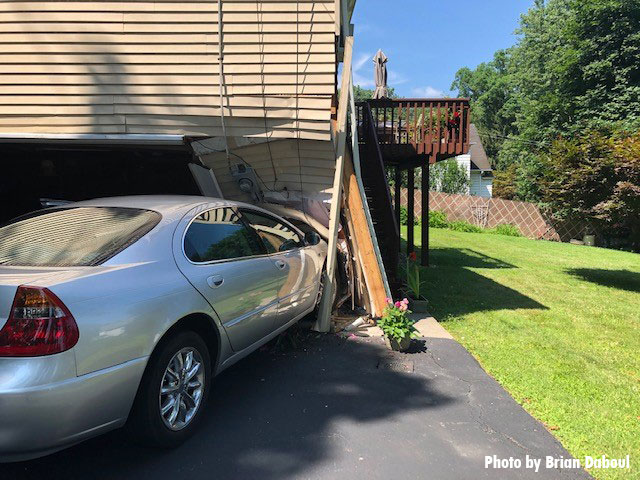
490	212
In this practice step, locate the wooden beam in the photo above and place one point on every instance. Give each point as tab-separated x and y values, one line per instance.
362	238
323	322
424	252
410	210
398	195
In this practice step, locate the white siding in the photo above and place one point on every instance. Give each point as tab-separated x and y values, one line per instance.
481	187
152	67
306	165
465	161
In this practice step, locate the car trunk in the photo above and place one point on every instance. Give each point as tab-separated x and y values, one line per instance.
12	277
36	175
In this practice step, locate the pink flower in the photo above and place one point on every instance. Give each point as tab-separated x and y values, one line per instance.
405	301
388	300
398	304
404	307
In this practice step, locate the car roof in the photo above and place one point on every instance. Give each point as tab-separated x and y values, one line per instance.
171	207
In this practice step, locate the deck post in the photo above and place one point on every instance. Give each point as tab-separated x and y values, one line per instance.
323	321
398	195
424	252
410	210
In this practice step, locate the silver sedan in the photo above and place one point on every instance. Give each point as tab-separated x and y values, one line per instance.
122	310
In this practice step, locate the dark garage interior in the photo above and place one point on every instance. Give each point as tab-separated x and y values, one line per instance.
32	174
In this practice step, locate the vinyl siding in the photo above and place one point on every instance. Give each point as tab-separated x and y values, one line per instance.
481	187
304	165
152	67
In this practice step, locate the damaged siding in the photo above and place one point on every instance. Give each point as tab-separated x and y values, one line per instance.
152	67
307	166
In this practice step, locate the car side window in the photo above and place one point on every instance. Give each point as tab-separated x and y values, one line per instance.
219	234
276	236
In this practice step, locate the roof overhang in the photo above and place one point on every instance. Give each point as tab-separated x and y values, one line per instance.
93	138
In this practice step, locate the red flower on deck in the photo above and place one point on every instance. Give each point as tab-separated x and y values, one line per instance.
413	257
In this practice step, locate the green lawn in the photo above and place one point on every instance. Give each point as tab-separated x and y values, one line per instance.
557	325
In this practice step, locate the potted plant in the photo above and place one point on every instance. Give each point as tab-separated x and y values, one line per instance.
396	325
417	302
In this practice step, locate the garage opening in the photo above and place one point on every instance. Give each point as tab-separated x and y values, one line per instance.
35	176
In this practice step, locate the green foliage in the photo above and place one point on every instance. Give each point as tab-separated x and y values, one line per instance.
404	217
412	275
574	68
438	219
506	229
448	177
462	226
597	176
363	94
395	322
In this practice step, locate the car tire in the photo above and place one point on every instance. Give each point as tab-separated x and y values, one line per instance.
168	385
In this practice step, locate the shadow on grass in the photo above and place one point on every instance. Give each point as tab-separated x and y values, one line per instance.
620	279
453	290
272	416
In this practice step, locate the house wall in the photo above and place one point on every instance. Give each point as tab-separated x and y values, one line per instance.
286	165
152	67
480	187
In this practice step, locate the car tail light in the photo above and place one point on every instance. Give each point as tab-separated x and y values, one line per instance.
39	324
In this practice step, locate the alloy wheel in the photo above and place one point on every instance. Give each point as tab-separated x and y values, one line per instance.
182	388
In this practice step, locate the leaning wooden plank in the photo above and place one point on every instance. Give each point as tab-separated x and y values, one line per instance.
374	276
323	321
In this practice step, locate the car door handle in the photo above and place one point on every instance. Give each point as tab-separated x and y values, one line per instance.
280	264
215	281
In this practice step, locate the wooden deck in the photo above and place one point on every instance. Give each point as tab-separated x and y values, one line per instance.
411	131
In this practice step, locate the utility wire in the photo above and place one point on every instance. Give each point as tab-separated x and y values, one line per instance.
264	97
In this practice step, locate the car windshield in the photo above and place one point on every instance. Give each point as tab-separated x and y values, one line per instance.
79	236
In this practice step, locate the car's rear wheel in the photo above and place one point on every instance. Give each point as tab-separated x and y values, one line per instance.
173	391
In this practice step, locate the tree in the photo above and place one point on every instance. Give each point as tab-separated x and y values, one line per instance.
597	176
363	94
574	68
448	177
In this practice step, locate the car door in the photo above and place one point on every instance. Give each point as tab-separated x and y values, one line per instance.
227	263
285	245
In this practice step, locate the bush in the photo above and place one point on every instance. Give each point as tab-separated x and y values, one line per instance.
506	229
438	219
462	226
404	217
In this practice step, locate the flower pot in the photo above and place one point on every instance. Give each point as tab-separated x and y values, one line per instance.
418	306
399	346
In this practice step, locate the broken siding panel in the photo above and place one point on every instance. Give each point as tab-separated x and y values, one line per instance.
155	63
305	165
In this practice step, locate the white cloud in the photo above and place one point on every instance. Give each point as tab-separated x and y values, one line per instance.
394	78
361	61
359	77
427	92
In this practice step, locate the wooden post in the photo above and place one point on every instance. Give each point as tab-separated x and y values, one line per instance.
424	252
398	194
410	210
363	239
323	322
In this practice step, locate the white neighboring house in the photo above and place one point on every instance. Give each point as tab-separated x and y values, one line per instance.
478	166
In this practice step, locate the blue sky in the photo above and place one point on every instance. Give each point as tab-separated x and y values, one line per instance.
427	41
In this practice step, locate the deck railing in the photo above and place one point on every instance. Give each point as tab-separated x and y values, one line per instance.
437	127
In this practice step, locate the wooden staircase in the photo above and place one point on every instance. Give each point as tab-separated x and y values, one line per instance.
405	134
376	187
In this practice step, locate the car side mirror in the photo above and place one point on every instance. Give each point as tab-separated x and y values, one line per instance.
312	238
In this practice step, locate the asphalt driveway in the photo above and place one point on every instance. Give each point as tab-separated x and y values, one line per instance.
327	407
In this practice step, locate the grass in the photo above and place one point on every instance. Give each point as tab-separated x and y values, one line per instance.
557	325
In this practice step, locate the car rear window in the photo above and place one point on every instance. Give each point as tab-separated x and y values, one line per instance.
80	236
